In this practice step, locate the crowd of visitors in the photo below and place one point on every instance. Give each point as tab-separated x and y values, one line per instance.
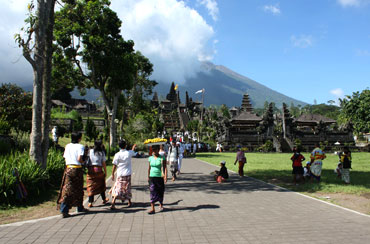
76	156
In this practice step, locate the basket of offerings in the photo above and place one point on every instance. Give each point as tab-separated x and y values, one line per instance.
155	141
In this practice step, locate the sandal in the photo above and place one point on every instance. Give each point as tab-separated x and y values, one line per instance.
90	205
105	201
151	212
129	205
112	207
161	209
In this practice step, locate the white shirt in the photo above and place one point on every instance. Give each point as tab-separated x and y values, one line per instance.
97	159
72	152
122	160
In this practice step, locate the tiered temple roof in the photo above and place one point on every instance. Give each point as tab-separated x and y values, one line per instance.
246	104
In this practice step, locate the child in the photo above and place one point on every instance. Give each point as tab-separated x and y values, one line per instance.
306	171
297	159
338	170
222	175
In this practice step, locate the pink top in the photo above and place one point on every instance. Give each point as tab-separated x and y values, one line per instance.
240	155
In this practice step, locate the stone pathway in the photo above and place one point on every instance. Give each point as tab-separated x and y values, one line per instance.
198	210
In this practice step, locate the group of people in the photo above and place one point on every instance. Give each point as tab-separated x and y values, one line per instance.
312	170
77	156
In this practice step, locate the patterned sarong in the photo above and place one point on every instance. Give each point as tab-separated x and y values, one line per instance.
71	190
122	188
95	181
316	168
156	188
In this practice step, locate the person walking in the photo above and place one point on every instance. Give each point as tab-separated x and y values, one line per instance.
157	177
317	155
346	160
172	159
122	164
240	157
96	173
71	191
181	155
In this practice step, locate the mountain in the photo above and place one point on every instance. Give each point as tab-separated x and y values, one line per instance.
224	86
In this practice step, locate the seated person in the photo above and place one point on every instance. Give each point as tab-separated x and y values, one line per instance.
338	170
222	175
306	171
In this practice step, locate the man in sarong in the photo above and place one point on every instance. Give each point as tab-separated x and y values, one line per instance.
71	192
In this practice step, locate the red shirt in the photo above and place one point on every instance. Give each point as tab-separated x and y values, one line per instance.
297	159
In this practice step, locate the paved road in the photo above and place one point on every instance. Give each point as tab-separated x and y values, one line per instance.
198	210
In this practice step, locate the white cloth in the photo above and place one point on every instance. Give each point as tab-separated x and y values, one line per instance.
72	152
172	154
97	159
122	160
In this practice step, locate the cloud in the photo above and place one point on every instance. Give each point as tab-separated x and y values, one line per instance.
338	93
211	6
303	41
350	3
13	67
274	9
175	37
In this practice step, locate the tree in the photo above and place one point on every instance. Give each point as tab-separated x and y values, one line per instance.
90	130
356	109
15	107
88	33
37	50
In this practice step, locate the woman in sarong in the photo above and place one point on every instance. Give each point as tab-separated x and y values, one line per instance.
71	191
317	155
122	163
97	171
157	177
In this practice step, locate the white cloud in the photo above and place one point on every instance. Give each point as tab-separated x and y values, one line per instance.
303	41
349	3
274	9
211	6
172	35
338	93
13	67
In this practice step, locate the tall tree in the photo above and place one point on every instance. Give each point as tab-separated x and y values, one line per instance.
36	43
88	33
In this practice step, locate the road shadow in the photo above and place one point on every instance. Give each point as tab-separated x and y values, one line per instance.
191	209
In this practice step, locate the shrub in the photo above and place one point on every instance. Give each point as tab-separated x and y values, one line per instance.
34	178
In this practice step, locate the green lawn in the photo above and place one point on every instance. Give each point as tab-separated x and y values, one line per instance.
277	168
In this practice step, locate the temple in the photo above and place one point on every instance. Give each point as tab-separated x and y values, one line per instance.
251	131
174	114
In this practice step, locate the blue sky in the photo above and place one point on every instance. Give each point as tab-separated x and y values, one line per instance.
306	49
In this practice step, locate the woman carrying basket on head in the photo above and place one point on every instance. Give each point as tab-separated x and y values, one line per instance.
157	177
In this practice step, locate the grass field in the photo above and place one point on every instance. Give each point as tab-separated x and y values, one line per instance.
276	168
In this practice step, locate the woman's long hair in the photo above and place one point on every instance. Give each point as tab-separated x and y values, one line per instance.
98	147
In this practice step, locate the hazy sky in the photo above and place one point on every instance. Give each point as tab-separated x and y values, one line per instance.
306	49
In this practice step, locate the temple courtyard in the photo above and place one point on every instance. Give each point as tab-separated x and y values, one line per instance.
199	210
